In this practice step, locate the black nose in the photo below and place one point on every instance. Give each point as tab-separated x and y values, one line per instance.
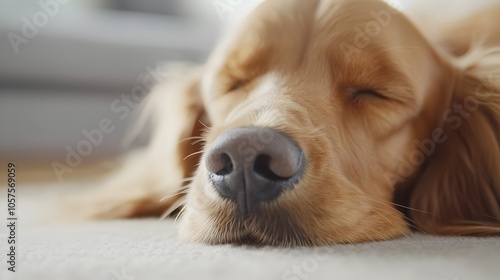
251	165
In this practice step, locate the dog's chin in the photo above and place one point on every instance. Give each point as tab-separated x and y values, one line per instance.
275	226
224	225
285	222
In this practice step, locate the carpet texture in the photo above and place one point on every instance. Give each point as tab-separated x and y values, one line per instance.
150	249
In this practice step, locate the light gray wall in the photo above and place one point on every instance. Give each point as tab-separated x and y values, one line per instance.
65	78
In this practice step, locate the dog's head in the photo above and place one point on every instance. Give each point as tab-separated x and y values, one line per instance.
316	110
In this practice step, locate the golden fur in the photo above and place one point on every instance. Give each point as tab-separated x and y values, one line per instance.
396	123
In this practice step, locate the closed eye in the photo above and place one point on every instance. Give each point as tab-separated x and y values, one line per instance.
236	85
367	93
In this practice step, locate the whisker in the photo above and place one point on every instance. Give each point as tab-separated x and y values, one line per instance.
198	141
181	192
172	208
491	217
388	220
187	179
347	201
313	136
316	129
395	204
193	154
180	213
206	126
191	138
388	203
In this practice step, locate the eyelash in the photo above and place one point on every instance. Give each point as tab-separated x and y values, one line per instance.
369	92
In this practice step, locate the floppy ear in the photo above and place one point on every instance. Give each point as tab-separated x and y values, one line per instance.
176	113
459	190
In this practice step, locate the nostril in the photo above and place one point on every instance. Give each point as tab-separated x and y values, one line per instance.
253	165
262	168
226	165
219	163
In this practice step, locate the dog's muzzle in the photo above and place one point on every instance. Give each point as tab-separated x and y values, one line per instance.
253	165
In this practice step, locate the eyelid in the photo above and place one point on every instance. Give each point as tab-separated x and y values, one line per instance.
360	92
370	92
236	85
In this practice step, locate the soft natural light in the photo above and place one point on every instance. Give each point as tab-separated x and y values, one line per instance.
395	3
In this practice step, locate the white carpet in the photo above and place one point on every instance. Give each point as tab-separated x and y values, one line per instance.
149	249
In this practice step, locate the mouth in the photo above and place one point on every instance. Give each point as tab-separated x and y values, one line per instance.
271	225
250	241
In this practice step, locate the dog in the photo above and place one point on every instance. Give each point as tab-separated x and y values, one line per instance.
323	122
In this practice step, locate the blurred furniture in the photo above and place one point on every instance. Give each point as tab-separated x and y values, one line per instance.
87	55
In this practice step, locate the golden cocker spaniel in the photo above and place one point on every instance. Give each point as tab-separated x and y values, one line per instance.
321	122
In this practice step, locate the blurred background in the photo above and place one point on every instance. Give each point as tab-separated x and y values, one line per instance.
66	65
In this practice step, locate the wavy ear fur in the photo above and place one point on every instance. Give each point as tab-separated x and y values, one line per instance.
458	192
176	111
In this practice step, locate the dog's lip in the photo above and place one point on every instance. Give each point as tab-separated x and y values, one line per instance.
247	234
248	239
241	236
